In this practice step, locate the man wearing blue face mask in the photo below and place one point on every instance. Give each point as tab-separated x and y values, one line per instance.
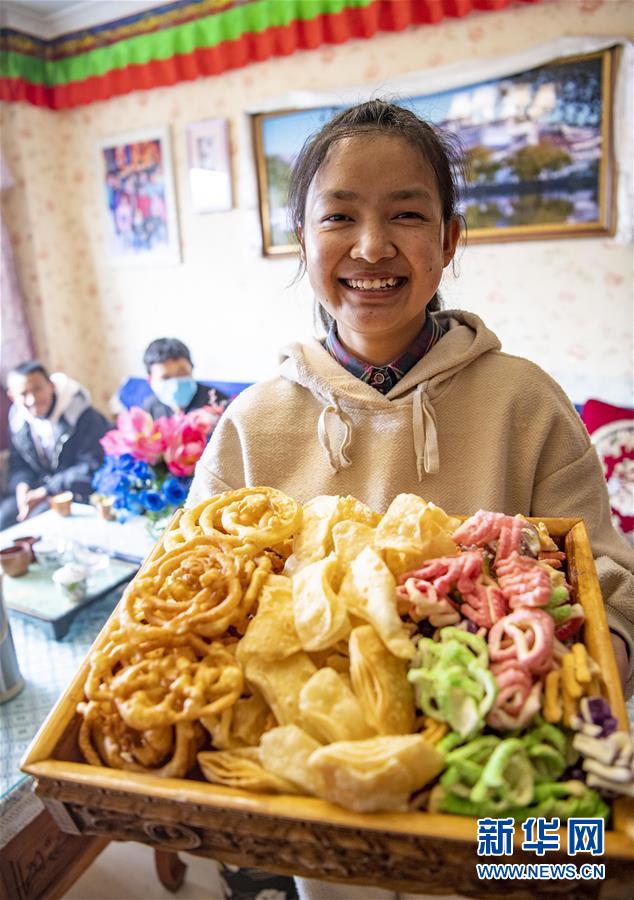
169	367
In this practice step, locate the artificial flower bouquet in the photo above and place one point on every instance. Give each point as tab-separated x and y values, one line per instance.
149	463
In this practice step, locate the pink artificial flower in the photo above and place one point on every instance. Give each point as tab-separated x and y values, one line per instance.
137	434
185	441
206	417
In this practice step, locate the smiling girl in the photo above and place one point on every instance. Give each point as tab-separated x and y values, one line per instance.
401	396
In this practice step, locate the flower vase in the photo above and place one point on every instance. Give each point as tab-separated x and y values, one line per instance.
156	527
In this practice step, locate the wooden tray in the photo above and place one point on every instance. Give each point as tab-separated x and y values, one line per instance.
414	851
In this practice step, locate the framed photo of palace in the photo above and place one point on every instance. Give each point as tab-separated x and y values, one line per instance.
537	145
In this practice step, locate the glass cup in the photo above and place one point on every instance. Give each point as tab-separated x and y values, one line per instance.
49	551
72	581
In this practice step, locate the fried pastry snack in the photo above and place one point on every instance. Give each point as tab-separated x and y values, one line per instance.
380	682
197	587
285	751
272	644
412	531
242	769
281	683
105	739
271	634
161	683
329	709
369	591
240	725
253	516
321	615
379	773
315	539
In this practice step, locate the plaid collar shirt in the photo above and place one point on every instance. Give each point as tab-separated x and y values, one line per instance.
383	378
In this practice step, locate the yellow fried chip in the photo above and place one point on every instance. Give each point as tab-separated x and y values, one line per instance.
352	510
545	540
285	752
349	539
321	616
241	725
242	769
380	682
369	592
329	709
271	633
378	773
412	531
280	682
314	539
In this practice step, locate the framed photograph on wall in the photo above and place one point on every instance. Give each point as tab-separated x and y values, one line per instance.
537	147
209	160
136	173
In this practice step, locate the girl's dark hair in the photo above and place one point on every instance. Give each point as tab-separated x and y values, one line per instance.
439	149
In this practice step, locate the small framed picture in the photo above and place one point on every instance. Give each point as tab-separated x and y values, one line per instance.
209	158
136	173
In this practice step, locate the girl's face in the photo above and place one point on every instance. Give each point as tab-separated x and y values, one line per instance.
374	242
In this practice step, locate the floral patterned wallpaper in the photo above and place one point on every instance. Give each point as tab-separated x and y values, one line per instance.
565	304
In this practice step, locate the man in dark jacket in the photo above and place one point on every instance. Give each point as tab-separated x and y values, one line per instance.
54	441
169	367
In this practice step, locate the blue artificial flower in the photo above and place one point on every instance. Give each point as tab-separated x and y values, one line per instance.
152	501
175	490
133	504
109	483
120	484
141	470
127	462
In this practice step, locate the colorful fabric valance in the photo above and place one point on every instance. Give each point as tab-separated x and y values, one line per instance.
195	38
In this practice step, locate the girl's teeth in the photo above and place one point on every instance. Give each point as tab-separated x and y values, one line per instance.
373	284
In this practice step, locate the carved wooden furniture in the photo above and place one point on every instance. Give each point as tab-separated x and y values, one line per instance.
412	851
42	861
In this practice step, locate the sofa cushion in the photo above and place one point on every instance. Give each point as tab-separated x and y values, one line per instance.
611	430
134	391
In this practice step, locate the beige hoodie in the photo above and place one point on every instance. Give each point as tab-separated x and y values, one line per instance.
469	428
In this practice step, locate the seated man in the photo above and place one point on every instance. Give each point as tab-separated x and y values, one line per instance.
54	441
169	366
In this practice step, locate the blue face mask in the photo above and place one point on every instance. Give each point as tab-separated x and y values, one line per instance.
177	393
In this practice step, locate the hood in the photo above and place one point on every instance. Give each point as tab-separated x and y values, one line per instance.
311	366
71	400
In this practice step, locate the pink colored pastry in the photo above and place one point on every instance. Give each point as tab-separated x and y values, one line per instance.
526	635
427	589
426	603
485	527
447	573
518	699
523	580
554	558
485	604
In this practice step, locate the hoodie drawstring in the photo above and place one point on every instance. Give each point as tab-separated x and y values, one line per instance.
327	433
425	433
